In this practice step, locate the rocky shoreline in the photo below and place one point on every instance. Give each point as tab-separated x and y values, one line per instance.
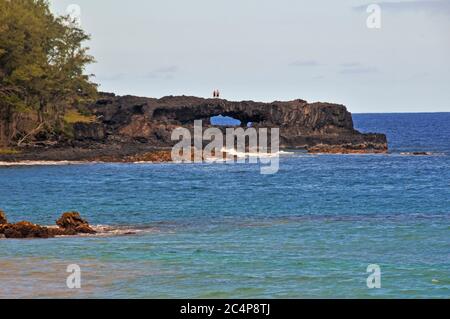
344	149
151	155
91	156
130	129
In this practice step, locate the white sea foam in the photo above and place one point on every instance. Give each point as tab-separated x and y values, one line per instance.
111	231
234	152
421	153
43	163
104	230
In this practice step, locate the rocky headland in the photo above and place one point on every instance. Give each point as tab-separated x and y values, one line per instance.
130	128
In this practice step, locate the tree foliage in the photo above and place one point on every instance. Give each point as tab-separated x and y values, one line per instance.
42	64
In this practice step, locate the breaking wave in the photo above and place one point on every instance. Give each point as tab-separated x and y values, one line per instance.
112	231
43	163
234	152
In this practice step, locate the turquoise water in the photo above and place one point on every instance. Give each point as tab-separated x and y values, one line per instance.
225	230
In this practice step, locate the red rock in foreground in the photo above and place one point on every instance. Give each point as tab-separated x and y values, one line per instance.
69	224
25	230
72	222
3	219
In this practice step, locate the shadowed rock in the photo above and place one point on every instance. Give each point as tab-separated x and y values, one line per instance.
151	121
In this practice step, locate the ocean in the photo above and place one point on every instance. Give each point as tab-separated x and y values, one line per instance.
226	231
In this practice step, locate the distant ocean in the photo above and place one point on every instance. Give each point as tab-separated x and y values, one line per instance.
225	230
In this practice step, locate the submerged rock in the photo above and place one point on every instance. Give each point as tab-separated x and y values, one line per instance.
417	153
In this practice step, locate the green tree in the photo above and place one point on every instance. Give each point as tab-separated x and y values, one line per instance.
42	68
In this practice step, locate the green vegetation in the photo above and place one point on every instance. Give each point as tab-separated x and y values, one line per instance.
8	151
42	65
74	116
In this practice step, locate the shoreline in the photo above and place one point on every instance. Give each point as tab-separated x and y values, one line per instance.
152	158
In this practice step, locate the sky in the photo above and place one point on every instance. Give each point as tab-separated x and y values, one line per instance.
267	50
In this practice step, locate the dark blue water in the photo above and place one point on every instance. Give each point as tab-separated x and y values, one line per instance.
409	131
225	230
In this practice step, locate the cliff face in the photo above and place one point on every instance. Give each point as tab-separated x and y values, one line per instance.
315	126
